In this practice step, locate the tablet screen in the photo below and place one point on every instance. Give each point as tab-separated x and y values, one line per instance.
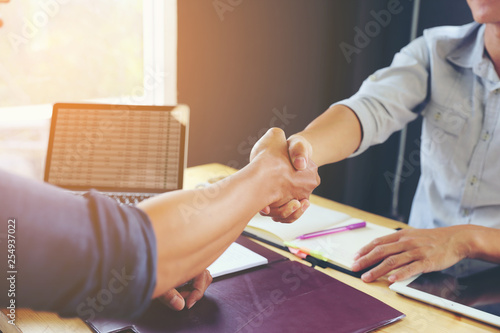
472	283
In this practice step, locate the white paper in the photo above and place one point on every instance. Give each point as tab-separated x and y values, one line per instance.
236	258
341	247
315	218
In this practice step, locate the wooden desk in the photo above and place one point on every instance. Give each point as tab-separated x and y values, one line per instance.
420	317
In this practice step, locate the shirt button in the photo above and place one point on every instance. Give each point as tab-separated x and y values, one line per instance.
372	77
437	116
465	212
473	181
486	136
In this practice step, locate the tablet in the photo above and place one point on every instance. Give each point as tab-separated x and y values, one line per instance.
471	288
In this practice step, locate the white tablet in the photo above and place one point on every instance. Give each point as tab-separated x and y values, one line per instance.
470	288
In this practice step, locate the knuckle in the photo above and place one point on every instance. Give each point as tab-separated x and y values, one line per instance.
403	232
284	215
286	212
427	264
276	131
297	147
391	262
376	242
409	270
379	251
412	243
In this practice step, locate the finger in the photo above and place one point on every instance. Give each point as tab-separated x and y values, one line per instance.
265	211
173	300
284	211
407	271
299	152
379	253
200	285
389	264
297	214
392	238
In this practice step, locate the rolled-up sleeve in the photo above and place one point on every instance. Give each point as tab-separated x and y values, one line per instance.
388	99
78	256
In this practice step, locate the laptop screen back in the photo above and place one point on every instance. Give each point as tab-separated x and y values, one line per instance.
117	148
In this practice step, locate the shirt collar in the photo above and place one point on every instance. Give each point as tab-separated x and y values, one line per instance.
471	54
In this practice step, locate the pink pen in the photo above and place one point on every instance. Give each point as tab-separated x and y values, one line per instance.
333	230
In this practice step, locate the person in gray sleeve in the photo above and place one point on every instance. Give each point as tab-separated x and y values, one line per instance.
89	256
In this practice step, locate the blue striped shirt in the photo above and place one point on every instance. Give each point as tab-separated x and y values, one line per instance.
446	77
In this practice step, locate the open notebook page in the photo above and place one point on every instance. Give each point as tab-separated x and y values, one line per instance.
315	218
341	247
236	258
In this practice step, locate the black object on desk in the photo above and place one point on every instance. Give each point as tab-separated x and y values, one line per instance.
282	296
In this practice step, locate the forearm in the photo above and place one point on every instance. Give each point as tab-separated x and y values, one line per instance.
194	227
334	135
484	243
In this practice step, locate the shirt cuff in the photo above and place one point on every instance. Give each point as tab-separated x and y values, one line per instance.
368	125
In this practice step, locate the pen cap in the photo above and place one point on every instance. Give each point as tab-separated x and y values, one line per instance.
357	225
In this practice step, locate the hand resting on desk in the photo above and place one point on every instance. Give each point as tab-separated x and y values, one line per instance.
413	251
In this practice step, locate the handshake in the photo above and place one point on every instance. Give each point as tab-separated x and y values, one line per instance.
295	174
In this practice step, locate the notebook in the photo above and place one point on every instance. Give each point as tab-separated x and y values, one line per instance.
236	258
128	152
283	296
338	249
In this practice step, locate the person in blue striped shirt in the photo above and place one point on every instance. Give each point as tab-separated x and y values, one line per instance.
450	77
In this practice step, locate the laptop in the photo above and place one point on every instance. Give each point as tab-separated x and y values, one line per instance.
470	287
127	152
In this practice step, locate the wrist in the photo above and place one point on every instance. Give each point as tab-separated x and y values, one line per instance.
266	175
482	243
465	242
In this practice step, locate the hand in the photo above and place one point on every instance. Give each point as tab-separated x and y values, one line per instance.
189	294
412	251
299	152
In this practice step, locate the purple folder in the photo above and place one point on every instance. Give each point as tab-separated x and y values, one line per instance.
283	296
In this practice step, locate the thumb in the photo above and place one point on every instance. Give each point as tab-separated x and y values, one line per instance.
274	138
299	151
173	300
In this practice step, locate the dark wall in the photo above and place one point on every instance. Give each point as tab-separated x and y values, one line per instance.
247	65
263	63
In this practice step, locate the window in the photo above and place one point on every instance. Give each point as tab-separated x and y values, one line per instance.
110	51
73	50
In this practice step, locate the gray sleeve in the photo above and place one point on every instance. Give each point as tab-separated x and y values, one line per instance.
386	101
78	256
